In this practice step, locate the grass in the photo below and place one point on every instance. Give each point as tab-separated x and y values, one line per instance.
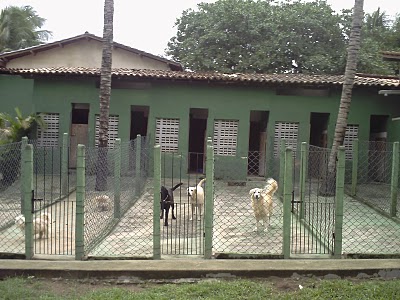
23	288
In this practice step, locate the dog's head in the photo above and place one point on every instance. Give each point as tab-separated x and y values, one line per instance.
19	220
191	190
45	216
256	193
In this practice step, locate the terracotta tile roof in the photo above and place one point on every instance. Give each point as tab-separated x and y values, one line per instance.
391	55
301	79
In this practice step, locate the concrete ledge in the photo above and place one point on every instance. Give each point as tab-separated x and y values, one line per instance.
184	268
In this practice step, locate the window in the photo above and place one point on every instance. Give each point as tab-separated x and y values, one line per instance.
167	134
287	131
112	130
48	137
225	137
350	135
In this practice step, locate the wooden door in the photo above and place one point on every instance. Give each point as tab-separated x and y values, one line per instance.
79	135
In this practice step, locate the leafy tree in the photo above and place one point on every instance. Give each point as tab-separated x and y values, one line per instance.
260	36
20	27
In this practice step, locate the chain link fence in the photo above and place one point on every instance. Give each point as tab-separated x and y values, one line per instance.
118	207
11	236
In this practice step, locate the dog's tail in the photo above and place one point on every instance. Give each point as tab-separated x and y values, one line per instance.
271	186
201	182
176	186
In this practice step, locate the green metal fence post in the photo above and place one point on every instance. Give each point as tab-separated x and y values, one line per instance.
80	203
27	177
303	176
209	201
117	178
64	165
354	169
156	203
138	164
281	167
340	171
395	179
287	201
23	151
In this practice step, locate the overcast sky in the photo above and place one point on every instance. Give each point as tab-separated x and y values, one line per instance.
146	25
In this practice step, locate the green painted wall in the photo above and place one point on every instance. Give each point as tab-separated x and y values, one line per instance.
16	92
223	102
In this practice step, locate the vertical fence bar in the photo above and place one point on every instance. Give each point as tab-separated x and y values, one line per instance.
23	151
80	201
287	200
395	179
354	169
209	201
27	177
138	164
117	178
156	203
303	176
340	172
281	166
64	165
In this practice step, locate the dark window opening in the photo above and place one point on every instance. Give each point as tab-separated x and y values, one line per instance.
139	120
80	113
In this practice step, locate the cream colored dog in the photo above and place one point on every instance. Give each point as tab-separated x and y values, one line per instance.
196	199
103	202
40	224
262	203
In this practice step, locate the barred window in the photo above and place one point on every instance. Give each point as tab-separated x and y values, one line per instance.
287	131
167	134
225	137
113	121
48	137
349	137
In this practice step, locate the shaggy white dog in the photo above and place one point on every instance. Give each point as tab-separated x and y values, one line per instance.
40	224
196	199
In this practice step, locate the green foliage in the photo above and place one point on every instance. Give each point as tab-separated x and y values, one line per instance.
20	27
13	129
247	36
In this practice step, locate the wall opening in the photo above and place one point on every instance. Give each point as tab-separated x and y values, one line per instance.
79	129
139	120
378	159
257	142
319	129
197	139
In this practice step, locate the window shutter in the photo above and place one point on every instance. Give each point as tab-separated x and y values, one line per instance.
48	137
167	134
350	135
287	131
225	137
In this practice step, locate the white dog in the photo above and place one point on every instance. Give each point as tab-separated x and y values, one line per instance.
103	202
262	203
40	224
196	199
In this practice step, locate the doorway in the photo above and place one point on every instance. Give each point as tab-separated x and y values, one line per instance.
318	138
197	139
139	120
79	129
257	142
378	160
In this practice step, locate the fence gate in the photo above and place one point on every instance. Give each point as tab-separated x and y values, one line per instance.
53	198
185	234
313	213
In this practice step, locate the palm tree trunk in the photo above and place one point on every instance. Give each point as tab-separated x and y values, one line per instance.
328	186
105	94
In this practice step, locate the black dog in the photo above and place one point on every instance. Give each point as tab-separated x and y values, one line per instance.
167	202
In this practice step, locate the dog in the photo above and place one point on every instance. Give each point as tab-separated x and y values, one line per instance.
167	202
262	203
103	202
196	199
40	224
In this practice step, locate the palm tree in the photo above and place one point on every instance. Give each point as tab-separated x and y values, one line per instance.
20	27
328	186
105	95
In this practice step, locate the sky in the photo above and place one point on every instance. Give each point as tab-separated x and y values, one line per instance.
146	25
